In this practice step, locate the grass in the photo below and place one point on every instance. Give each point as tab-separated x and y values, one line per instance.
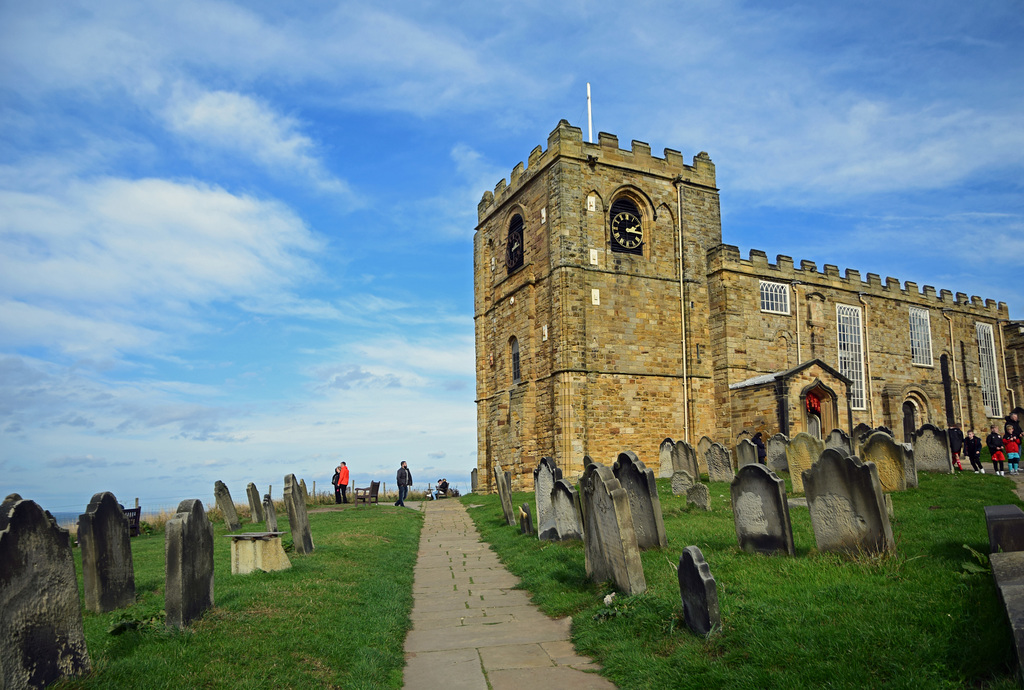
916	618
337	618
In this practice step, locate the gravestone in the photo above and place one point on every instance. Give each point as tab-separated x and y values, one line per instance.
761	512
698	591
270	513
1005	526
565	504
302	538
745	434
41	635
847	505
473	480
525	519
644	503
837	438
931	450
665	468
719	462
610	546
188	588
684	458
544	478
776	453
909	465
699	495
702	451
802	452
255	507
226	505
108	573
305	493
681	481
504	482
889	460
745	453
860	433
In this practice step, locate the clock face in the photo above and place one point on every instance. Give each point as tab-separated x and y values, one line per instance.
626	230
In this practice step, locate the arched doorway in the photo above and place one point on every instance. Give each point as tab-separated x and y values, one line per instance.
909	420
819	410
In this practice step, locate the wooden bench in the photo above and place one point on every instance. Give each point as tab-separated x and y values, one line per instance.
367	495
134	516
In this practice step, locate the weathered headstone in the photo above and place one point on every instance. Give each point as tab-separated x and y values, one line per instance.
41	635
255	507
719	461
931	450
226	505
802	452
188	588
745	434
847	505
909	465
860	433
504	482
610	546
644	503
761	511
698	591
837	438
544	478
473	478
294	501
270	513
702	452
889	460
305	493
745	453
108	573
665	468
525	519
684	458
681	481
565	504
699	495
776	453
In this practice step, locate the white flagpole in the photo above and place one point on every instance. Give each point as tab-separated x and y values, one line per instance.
590	117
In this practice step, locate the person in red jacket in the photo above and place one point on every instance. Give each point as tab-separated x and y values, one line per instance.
1011	444
995	446
341	487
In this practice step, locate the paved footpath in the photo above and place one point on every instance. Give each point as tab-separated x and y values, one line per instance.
471	630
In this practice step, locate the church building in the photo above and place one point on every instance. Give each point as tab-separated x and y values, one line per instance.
609	315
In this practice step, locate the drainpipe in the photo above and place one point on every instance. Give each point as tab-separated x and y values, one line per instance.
678	182
796	317
1006	373
952	359
867	361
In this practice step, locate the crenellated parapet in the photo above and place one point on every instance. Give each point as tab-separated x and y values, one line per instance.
726	257
566	141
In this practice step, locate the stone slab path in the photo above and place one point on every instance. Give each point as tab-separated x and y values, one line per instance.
471	630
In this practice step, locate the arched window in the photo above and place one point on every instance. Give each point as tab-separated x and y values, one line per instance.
513	346
627	228
514	245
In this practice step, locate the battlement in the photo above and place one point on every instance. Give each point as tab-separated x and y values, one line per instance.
726	257
566	141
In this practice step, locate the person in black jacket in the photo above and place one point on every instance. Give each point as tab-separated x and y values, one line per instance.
972	449
762	452
956	444
404	479
1014	422
995	446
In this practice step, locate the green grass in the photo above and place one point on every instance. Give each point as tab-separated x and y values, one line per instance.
913	619
337	618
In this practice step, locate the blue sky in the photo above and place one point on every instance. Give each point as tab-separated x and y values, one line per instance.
236	239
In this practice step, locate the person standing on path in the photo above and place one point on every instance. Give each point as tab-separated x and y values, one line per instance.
972	448
1011	444
341	486
762	452
956	443
404	479
995	446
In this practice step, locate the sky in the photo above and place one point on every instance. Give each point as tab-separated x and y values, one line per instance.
236	238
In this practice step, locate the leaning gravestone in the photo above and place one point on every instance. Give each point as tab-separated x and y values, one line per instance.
931	450
847	505
776	453
305	493
860	433
644	503
544	478
270	512
40	615
909	465
294	501
473	480
684	459
699	495
188	588
681	481
108	573
565	504
504	481
698	591
226	505
802	452
837	438
255	507
610	547
761	512
525	519
702	452
665	468
889	460
745	453
719	462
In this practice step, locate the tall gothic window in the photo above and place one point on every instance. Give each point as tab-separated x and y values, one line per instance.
513	347
851	352
920	337
989	375
774	297
514	244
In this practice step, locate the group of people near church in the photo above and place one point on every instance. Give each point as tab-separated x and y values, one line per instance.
1004	448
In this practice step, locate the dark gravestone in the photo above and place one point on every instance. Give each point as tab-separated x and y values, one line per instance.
665	468
270	513
610	547
504	482
294	501
761	511
565	503
719	462
544	478
698	591
473	480
107	569
684	459
644	503
745	453
189	551
931	450
1008	573
861	433
525	519
776	453
846	505
41	636
1005	528
226	505
255	507
837	438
